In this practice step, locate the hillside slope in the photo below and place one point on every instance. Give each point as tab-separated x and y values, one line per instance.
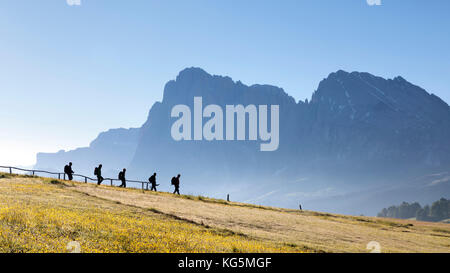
43	215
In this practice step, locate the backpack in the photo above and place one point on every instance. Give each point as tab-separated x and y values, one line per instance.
66	169
152	179
96	171
173	181
120	176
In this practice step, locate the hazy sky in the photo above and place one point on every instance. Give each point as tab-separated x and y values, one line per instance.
70	72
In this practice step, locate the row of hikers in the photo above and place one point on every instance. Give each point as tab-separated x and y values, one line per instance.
98	172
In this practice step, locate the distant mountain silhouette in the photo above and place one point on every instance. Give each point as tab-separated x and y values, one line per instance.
114	148
361	143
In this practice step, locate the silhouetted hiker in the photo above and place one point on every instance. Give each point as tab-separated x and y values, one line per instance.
152	180
68	171
176	182
98	173
122	178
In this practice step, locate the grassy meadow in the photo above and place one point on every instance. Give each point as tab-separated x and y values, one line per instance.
45	215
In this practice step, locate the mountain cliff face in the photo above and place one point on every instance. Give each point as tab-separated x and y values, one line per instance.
362	141
360	116
209	164
368	124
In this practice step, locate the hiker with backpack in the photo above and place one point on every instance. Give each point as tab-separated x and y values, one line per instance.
176	183
68	171
121	177
98	173
152	180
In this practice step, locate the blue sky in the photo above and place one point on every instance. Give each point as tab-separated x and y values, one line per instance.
70	72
